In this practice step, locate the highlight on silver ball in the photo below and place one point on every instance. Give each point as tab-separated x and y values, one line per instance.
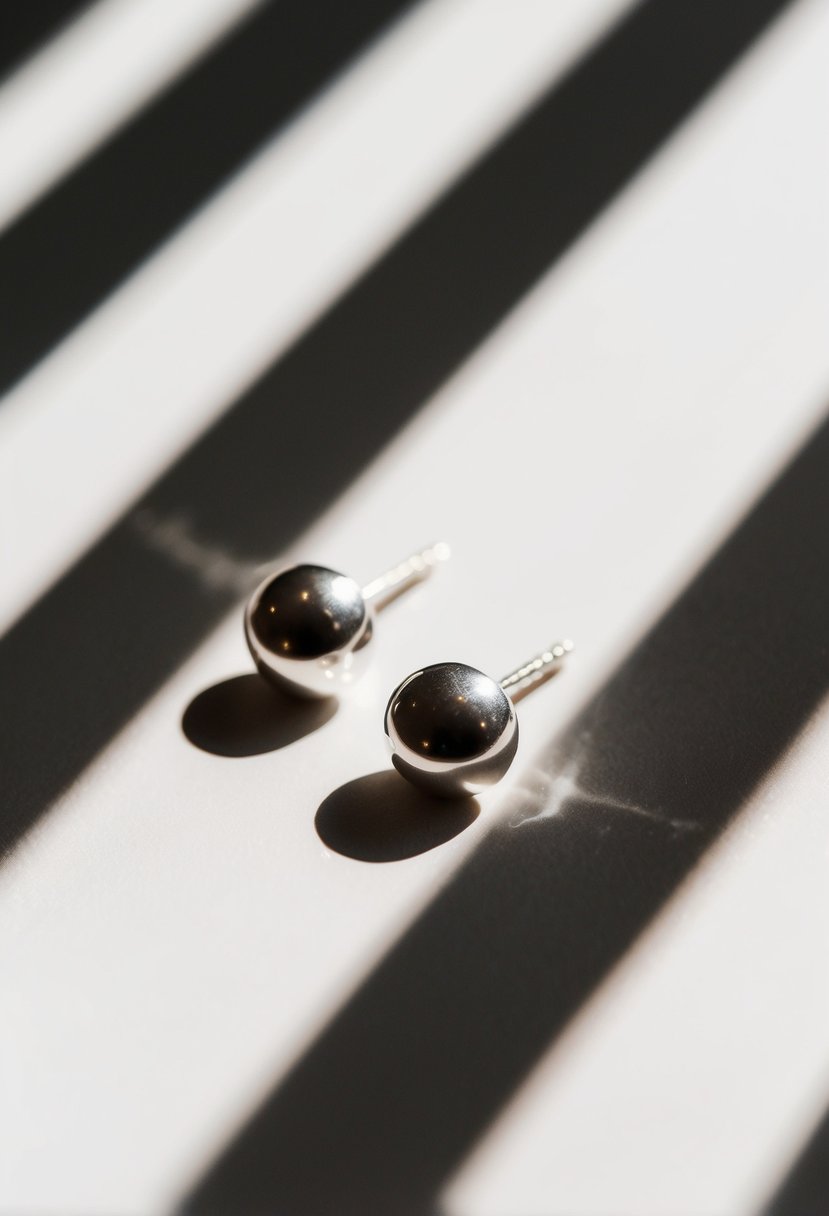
453	731
308	628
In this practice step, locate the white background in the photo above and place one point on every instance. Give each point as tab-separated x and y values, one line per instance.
174	933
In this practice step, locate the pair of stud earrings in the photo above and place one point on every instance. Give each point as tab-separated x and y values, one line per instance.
453	730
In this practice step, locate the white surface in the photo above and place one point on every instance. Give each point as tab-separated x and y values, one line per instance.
707	1051
202	318
173	933
75	91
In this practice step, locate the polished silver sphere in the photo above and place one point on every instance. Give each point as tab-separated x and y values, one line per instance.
453	730
308	629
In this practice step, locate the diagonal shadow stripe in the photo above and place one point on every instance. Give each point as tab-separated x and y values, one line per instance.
23	27
76	244
90	652
393	1095
805	1191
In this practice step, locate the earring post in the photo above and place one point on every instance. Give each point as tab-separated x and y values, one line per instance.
382	590
533	673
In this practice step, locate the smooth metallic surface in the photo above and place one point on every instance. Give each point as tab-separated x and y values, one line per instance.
453	730
308	629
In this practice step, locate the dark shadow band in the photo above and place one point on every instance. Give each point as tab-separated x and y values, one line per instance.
24	27
65	254
805	1190
393	1095
87	656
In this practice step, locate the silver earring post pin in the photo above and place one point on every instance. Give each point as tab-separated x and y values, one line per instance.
537	671
453	731
381	591
308	628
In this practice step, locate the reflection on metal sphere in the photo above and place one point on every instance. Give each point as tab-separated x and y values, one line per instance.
307	629
453	730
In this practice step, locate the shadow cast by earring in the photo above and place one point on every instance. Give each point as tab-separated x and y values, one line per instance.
382	818
246	716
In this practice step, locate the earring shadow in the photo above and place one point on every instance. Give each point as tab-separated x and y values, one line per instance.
382	818
246	716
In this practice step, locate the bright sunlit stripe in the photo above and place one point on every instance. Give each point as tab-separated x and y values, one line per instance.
186	934
153	366
687	1082
84	84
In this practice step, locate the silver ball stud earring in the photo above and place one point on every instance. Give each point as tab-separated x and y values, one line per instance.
453	730
308	628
